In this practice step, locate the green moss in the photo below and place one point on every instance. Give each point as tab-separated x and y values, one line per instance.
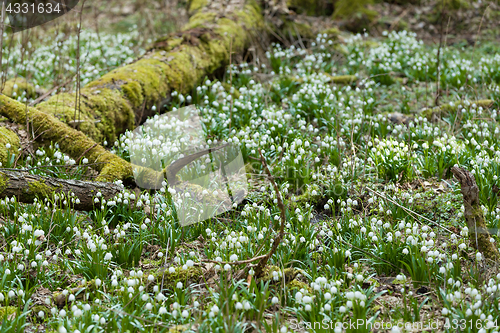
40	189
4	181
195	5
156	263
236	93
72	142
17	86
36	309
307	197
484	103
267	273
332	33
295	284
343	79
186	276
6	311
8	137
356	14
178	329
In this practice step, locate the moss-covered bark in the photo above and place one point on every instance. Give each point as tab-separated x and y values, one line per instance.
343	79
9	144
125	97
26	187
72	142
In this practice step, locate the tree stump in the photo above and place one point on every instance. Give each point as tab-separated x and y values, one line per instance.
479	234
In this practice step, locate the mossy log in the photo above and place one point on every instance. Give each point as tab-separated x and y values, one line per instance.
479	235
72	142
343	79
17	87
9	144
432	114
26	187
125	97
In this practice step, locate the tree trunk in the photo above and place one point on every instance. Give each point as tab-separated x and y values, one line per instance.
125	97
26	187
479	235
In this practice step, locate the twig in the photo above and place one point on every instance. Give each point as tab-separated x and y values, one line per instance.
41	98
409	210
277	240
85	152
438	60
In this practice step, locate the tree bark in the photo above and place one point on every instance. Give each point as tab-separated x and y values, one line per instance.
479	235
26	187
125	97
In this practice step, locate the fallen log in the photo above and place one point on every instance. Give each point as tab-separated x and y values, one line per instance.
72	142
128	95
479	234
9	145
26	187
